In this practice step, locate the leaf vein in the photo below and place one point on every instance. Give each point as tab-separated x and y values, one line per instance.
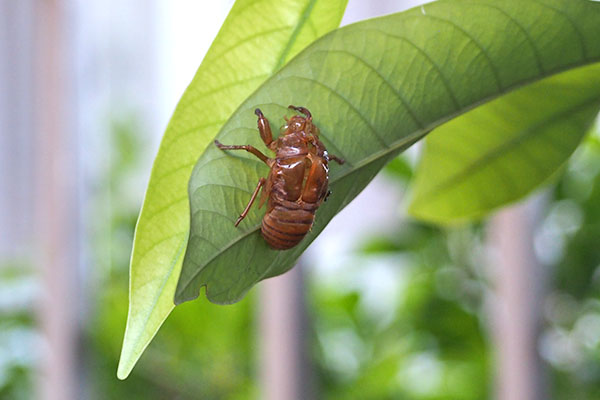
219	185
500	150
438	69
202	96
398	95
156	213
484	52
350	105
526	33
299	25
250	38
190	131
572	23
146	251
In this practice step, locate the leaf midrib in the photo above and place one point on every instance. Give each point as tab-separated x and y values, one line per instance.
299	26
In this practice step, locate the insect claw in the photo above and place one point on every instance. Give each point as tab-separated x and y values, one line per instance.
301	110
258	112
237	222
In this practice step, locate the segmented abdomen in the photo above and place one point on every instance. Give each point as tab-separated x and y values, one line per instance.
284	227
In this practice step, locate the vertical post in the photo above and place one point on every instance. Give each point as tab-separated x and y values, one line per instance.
56	205
519	283
285	372
16	171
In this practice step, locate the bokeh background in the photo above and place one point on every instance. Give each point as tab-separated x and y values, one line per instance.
380	307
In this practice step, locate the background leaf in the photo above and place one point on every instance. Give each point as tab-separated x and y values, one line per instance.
257	38
500	152
374	88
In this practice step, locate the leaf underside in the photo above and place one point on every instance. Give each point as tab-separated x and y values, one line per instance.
374	88
500	152
257	38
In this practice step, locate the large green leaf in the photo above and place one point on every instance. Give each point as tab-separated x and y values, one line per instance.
374	88
500	152
257	38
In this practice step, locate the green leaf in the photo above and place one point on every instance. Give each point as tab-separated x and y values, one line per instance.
374	88
500	152
257	38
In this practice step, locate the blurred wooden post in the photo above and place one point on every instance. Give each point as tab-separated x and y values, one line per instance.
519	282
56	196
284	353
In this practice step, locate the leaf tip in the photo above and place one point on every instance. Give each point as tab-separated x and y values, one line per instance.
124	369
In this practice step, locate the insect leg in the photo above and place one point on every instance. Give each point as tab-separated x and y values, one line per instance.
261	182
301	110
336	159
247	147
264	128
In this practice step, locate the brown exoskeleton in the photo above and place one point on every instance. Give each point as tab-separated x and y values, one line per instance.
298	181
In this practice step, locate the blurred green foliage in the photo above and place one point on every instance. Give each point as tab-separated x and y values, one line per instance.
431	342
408	319
19	343
569	243
423	336
203	350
